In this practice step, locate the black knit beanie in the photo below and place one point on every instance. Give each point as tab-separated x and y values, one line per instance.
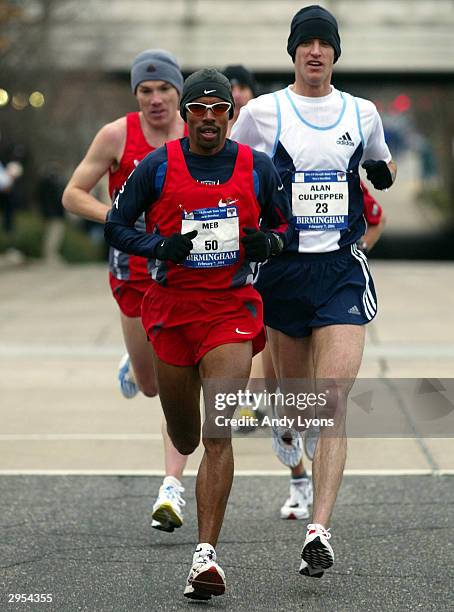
313	22
206	82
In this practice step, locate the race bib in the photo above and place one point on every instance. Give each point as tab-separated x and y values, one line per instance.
320	200
217	242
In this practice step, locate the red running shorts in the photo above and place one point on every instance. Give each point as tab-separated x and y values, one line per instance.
129	294
183	325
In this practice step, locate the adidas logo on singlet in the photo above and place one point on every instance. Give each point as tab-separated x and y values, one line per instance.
345	139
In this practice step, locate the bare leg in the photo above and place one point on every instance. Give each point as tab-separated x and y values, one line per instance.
174	461
53	238
263	368
179	391
215	476
141	354
293	359
337	352
256	369
268	369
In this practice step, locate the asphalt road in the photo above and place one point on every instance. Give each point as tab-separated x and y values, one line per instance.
87	542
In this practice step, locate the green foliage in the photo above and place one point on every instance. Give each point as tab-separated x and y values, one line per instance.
438	199
77	246
28	236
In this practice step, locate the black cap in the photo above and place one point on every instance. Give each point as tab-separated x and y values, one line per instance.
239	75
206	82
313	22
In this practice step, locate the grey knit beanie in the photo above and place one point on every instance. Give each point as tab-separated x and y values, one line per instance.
156	65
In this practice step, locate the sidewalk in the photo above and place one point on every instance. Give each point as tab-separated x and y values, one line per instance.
60	343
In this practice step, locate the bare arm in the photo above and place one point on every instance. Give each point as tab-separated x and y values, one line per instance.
373	234
393	169
104	152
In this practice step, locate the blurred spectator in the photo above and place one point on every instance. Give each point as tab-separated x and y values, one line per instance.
244	88
9	174
51	185
428	164
5	179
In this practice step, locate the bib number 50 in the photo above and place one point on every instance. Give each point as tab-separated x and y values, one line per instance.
211	245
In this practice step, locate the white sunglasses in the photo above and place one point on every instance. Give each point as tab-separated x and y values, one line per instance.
199	109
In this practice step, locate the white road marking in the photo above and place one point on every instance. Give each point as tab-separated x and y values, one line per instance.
372	351
242	473
78	436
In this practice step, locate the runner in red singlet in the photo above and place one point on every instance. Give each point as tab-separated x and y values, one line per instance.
213	208
117	148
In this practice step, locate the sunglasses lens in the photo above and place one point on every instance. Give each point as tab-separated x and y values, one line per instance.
220	108
196	109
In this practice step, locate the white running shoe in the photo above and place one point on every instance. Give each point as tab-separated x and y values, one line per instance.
287	445
301	496
167	510
162	526
128	385
206	577
311	436
317	555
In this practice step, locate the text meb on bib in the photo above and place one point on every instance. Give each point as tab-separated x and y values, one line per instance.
320	199
217	243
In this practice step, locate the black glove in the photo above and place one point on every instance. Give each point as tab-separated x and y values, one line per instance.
260	246
176	247
378	173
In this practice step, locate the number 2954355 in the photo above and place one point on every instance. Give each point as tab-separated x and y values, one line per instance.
32	597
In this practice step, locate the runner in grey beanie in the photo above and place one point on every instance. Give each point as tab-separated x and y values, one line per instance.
156	65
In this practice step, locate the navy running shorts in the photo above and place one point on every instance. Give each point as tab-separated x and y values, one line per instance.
303	291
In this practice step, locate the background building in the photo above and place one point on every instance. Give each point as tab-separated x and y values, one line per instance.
65	63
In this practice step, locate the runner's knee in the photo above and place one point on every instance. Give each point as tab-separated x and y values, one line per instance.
149	388
216	445
185	444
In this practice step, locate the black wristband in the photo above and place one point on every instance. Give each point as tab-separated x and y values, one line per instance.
276	243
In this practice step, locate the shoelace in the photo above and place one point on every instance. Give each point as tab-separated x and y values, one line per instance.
204	557
174	493
315	528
